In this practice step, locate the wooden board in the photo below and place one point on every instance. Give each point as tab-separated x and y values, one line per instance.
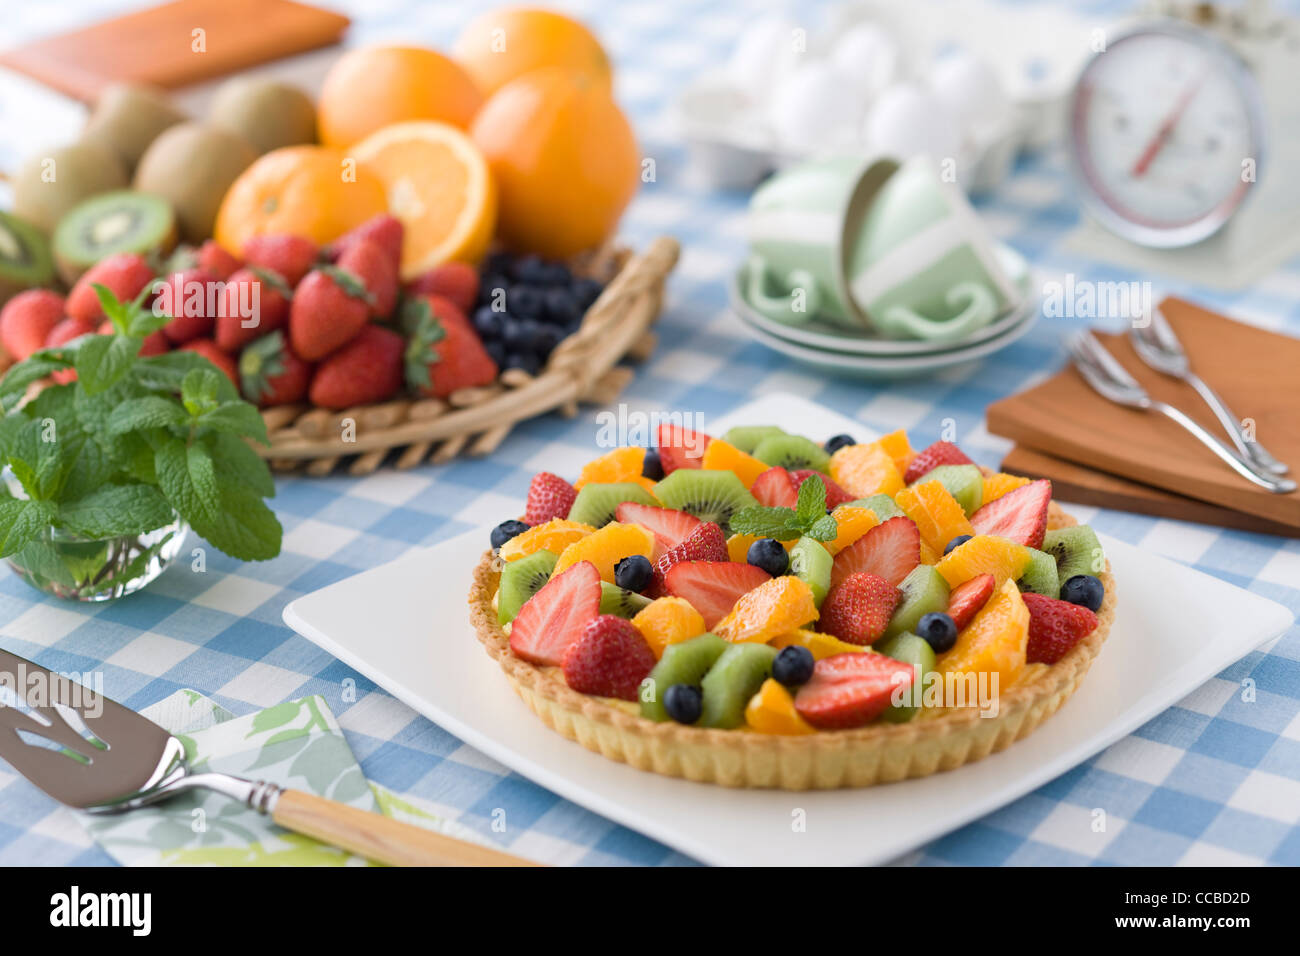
1255	371
160	46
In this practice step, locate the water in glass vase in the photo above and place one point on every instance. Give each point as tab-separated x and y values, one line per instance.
79	569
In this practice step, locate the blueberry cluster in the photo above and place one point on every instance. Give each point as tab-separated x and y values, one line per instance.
527	306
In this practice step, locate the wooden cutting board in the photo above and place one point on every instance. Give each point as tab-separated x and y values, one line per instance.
163	45
1257	373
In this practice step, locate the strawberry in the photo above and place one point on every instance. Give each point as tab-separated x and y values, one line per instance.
968	597
705	543
191	298
155	343
329	308
835	495
383	230
680	447
291	256
857	610
221	359
549	496
557	615
255	302
270	374
610	659
457	281
367	369
125	275
26	321
713	587
214	258
849	690
1020	515
369	262
931	457
890	550
66	331
670	527
444	353
1055	627
775	488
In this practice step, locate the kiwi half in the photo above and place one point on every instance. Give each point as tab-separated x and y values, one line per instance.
25	260
684	663
1040	576
792	452
620	601
121	221
597	502
811	563
709	495
520	580
925	591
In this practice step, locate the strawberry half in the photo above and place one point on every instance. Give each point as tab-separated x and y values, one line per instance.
858	609
890	550
549	496
669	526
940	453
1055	627
713	587
680	447
835	495
610	658
705	543
968	597
1020	515
556	616
849	690
776	488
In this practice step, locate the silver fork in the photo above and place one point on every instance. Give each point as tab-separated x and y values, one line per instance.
1158	346
1112	381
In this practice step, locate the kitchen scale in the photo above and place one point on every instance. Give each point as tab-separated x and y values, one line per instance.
1184	141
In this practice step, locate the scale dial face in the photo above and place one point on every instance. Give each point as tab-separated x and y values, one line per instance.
1166	131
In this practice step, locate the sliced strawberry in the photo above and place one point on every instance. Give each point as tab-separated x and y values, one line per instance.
940	453
705	543
849	690
1055	627
713	587
555	616
776	488
968	597
680	447
890	550
1020	515
670	527
857	610
610	658
835	495
549	496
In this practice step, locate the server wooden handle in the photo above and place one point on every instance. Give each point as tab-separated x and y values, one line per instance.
380	838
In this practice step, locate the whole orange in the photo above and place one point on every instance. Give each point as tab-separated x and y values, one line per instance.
380	85
310	191
503	45
564	158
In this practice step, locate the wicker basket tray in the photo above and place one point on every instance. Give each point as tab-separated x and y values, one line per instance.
474	421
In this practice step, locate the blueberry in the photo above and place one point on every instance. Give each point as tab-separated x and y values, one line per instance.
489	323
652	467
526	300
561	306
522	335
793	666
1085	590
507	530
956	542
524	268
586	291
768	555
633	572
490	285
938	630
839	441
527	361
496	350
684	702
548	337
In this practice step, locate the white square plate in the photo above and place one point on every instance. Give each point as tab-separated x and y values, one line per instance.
406	627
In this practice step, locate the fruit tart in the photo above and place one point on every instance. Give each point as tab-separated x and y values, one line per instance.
761	610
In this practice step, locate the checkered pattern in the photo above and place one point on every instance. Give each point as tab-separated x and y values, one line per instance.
1215	779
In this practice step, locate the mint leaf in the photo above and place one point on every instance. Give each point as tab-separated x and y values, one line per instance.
21	521
779	523
243	527
113	510
102	360
823	529
166	373
812	501
151	411
196	500
203	475
238	418
238	464
32	369
199	389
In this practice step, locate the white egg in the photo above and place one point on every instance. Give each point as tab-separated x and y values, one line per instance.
767	51
969	86
867	57
814	107
907	120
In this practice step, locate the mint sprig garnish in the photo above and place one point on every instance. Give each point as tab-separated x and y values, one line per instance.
808	518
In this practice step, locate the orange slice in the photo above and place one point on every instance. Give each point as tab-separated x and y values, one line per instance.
771	711
606	547
774	607
821	645
995	486
897	447
936	513
852	523
554	535
984	554
668	620
621	464
866	470
721	456
992	643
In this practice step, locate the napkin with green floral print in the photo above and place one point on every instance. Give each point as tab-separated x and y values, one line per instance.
295	744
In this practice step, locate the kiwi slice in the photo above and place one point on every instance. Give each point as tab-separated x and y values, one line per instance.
747	437
684	663
25	260
924	592
121	221
736	677
909	649
1076	550
520	580
597	501
709	495
882	505
811	563
620	601
1041	576
964	482
128	117
792	452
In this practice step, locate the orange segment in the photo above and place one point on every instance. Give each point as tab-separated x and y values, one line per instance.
995	486
929	555
774	607
606	547
936	513
898	448
738	546
668	620
819	644
555	535
439	185
985	554
721	456
621	464
852	523
992	643
865	470
771	711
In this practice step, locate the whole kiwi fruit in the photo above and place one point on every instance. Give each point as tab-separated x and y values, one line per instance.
128	117
266	112
52	181
191	165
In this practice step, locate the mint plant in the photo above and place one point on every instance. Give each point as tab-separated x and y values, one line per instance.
122	449
808	518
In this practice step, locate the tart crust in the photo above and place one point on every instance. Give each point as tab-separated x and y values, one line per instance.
940	739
